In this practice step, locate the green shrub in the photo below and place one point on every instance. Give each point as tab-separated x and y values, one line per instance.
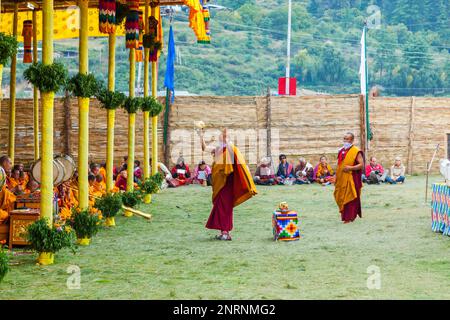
83	85
109	205
152	105
47	78
85	223
4	263
131	198
110	99
43	238
132	105
8	47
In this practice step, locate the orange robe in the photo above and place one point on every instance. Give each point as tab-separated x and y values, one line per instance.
348	185
232	185
99	188
102	172
7	200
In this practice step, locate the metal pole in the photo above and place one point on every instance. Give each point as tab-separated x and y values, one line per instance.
288	64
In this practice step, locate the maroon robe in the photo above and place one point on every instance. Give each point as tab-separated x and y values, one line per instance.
353	208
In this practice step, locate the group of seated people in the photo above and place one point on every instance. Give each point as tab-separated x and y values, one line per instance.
286	174
322	173
374	172
181	175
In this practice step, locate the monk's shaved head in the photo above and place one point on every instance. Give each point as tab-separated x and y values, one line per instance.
349	136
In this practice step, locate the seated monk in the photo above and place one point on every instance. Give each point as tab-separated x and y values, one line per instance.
304	172
32	187
15	184
121	181
7	200
99	185
73	199
24	177
325	174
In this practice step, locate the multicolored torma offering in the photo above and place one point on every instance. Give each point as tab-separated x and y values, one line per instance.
285	224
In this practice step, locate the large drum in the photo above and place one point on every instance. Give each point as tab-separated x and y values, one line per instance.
63	169
69	166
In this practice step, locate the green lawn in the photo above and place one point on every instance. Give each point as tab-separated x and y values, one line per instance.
175	257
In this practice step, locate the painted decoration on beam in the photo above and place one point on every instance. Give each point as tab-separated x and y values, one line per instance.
132	25
140	49
27	33
107	16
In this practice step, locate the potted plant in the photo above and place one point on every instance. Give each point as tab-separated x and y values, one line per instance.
152	184
130	199
4	261
47	240
109	205
86	224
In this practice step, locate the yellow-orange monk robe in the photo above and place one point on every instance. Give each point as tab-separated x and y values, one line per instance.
7	200
244	187
102	172
99	188
345	190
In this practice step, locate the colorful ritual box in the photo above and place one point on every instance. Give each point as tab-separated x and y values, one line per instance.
440	208
285	225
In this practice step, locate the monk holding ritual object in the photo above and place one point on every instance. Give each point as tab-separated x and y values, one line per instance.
232	184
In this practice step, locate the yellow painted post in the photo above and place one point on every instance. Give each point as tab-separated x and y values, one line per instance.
148	197
83	111
47	116
111	114
35	91
131	124
154	120
12	91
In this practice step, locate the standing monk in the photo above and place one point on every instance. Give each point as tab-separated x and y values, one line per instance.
347	192
232	184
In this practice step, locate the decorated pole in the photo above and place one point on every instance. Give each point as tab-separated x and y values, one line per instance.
111	113
131	124
83	109
35	91
12	91
132	42
154	95
148	197
47	116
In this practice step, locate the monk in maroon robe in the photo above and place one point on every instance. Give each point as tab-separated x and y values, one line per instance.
348	185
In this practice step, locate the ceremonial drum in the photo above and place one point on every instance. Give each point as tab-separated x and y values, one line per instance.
440	208
69	166
63	169
2	177
285	225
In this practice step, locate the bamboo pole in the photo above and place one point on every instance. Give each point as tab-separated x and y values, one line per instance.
83	111
131	124
146	114
12	91
47	116
35	91
111	114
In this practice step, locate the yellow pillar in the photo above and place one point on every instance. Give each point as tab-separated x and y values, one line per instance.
131	124
154	119
12	91
47	116
83	111
111	114
35	92
148	197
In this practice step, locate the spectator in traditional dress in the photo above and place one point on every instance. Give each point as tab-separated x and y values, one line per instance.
180	173
324	173
202	174
304	172
285	173
265	175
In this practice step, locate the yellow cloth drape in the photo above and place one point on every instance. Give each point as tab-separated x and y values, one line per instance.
243	185
345	190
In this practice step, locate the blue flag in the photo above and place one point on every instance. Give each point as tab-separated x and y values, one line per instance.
169	81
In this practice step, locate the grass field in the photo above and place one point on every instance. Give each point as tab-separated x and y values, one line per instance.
175	257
